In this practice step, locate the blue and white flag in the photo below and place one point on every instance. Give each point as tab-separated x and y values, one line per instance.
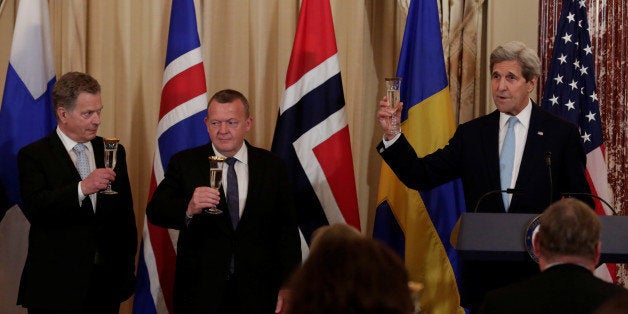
26	114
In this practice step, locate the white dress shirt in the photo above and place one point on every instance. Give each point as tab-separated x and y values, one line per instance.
68	143
521	135
242	171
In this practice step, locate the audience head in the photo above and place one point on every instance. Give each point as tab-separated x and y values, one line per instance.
569	231
346	272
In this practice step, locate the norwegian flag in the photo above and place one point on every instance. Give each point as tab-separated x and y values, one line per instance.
312	135
570	93
183	107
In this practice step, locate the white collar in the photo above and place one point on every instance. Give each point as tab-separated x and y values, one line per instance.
523	116
242	155
69	143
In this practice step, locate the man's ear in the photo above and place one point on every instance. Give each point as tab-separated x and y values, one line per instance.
598	252
536	246
62	114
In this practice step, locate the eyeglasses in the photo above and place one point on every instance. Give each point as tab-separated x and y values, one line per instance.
231	123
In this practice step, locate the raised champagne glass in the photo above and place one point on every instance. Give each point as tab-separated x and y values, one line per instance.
111	148
215	179
393	88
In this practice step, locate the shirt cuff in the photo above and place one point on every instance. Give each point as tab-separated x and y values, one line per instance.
392	141
81	196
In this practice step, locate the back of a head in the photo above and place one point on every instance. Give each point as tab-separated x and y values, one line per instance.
569	227
349	273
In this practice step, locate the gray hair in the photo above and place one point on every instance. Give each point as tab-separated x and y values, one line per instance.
518	51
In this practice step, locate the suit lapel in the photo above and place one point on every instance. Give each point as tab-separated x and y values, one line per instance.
490	147
99	151
255	179
534	150
99	160
59	153
67	166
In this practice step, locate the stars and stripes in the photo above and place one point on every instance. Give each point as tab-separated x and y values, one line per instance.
570	92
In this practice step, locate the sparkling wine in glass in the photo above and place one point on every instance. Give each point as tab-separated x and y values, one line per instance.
393	87
111	148
215	179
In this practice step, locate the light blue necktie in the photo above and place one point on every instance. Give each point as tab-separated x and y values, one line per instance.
507	159
82	163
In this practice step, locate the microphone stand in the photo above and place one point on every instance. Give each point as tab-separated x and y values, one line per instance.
548	162
509	191
594	196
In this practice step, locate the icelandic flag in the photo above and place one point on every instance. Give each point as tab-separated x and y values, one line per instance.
312	134
570	93
26	114
419	225
183	108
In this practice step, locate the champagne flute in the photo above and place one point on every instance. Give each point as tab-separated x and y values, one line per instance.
111	148
215	179
393	88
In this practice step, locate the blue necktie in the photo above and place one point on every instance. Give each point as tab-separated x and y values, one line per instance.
233	198
82	163
507	159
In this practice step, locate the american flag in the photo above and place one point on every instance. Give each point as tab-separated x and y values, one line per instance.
570	93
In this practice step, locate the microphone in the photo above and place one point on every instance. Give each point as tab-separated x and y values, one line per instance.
548	162
509	191
568	194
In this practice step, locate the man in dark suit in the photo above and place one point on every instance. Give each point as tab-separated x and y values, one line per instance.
547	159
568	247
235	261
82	244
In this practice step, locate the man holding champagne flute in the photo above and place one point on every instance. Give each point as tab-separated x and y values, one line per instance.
82	244
234	259
517	159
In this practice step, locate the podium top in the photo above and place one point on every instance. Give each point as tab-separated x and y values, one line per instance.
500	237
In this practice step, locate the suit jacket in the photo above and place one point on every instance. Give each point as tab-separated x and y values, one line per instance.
67	241
565	288
472	154
265	245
